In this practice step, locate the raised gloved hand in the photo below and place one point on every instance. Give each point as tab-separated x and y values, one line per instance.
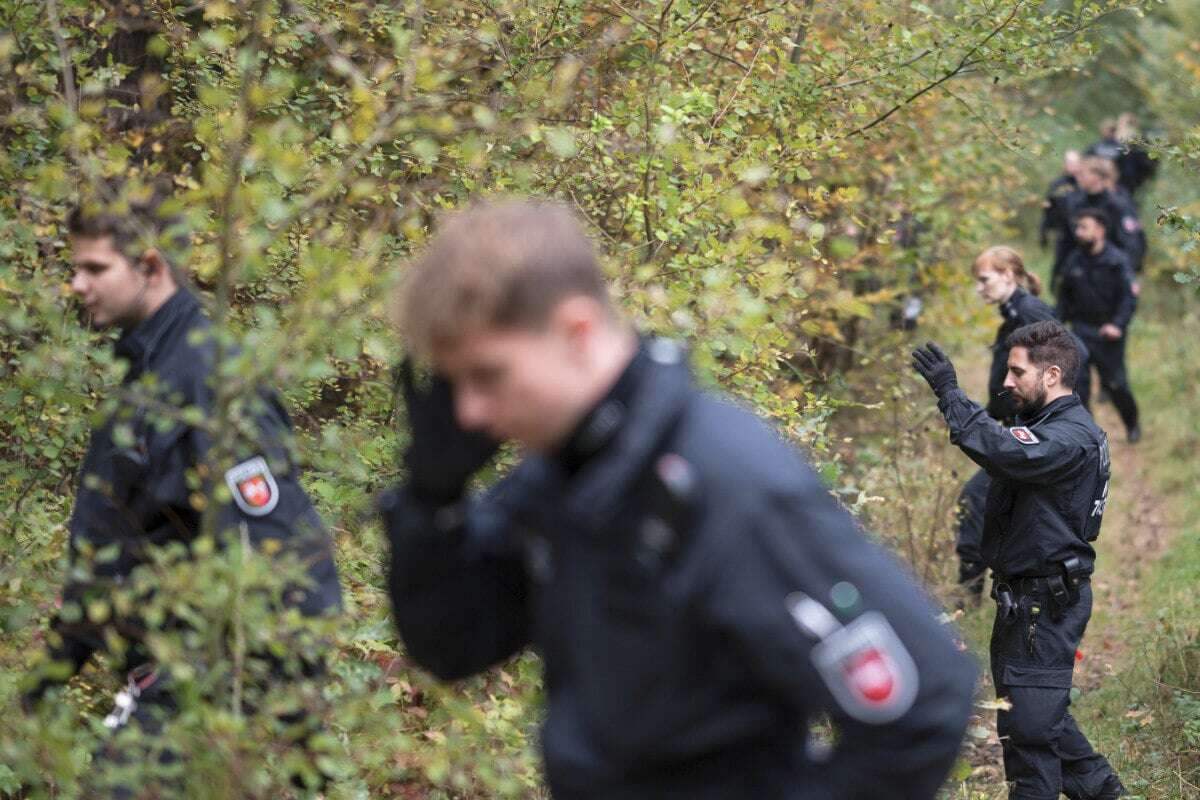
441	457
935	368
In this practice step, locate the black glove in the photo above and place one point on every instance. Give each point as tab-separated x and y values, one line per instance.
441	456
935	368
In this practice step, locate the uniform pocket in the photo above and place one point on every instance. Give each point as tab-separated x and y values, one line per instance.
1042	677
627	663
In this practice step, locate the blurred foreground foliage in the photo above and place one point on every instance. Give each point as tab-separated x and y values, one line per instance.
774	182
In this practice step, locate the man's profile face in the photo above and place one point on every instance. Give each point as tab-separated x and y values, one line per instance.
518	385
1088	231
107	283
1025	381
1090	180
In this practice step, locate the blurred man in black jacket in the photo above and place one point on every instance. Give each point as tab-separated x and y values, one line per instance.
697	595
1095	176
1054	206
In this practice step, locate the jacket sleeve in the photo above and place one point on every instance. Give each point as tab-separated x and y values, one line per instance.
1126	301
998	449
285	522
804	549
1063	300
1062	251
259	491
459	591
1049	217
1124	230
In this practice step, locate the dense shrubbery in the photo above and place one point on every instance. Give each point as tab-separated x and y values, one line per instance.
770	181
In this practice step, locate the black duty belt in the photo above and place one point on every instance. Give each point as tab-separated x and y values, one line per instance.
1061	588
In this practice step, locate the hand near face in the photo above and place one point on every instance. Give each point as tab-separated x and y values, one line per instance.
1110	332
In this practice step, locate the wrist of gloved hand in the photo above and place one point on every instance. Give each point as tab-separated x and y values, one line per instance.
944	385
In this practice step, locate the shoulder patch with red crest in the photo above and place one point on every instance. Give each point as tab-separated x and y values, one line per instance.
866	667
253	487
1024	435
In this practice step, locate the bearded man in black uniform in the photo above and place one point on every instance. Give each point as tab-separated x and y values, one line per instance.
1049	487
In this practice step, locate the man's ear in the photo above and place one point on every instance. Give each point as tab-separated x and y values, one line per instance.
154	266
1053	376
578	317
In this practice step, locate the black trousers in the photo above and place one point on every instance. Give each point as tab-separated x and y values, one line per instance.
1109	360
1033	658
969	533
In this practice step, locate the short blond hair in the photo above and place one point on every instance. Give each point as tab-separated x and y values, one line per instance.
497	264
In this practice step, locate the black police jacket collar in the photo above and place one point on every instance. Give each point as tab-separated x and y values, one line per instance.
601	424
1056	406
1010	308
654	391
137	344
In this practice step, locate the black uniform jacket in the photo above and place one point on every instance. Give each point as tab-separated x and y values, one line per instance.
1096	289
1019	310
1132	231
1054	206
663	581
1136	167
134	488
1049	482
1124	232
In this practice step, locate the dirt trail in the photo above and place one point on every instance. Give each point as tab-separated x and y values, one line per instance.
1135	535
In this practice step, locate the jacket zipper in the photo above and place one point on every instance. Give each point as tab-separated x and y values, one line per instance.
1034	612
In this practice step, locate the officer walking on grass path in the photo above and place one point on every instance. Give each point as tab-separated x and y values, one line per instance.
1094	177
1054	206
696	594
1096	296
1049	487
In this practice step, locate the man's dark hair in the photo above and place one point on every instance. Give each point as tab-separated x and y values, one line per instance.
134	216
1049	344
1093	213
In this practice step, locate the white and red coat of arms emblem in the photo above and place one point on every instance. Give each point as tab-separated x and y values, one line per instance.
865	666
1024	435
253	487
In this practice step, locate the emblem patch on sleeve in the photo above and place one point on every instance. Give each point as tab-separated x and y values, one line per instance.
253	487
1024	435
868	670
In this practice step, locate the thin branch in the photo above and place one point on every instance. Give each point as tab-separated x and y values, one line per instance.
878	75
801	33
64	53
966	61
